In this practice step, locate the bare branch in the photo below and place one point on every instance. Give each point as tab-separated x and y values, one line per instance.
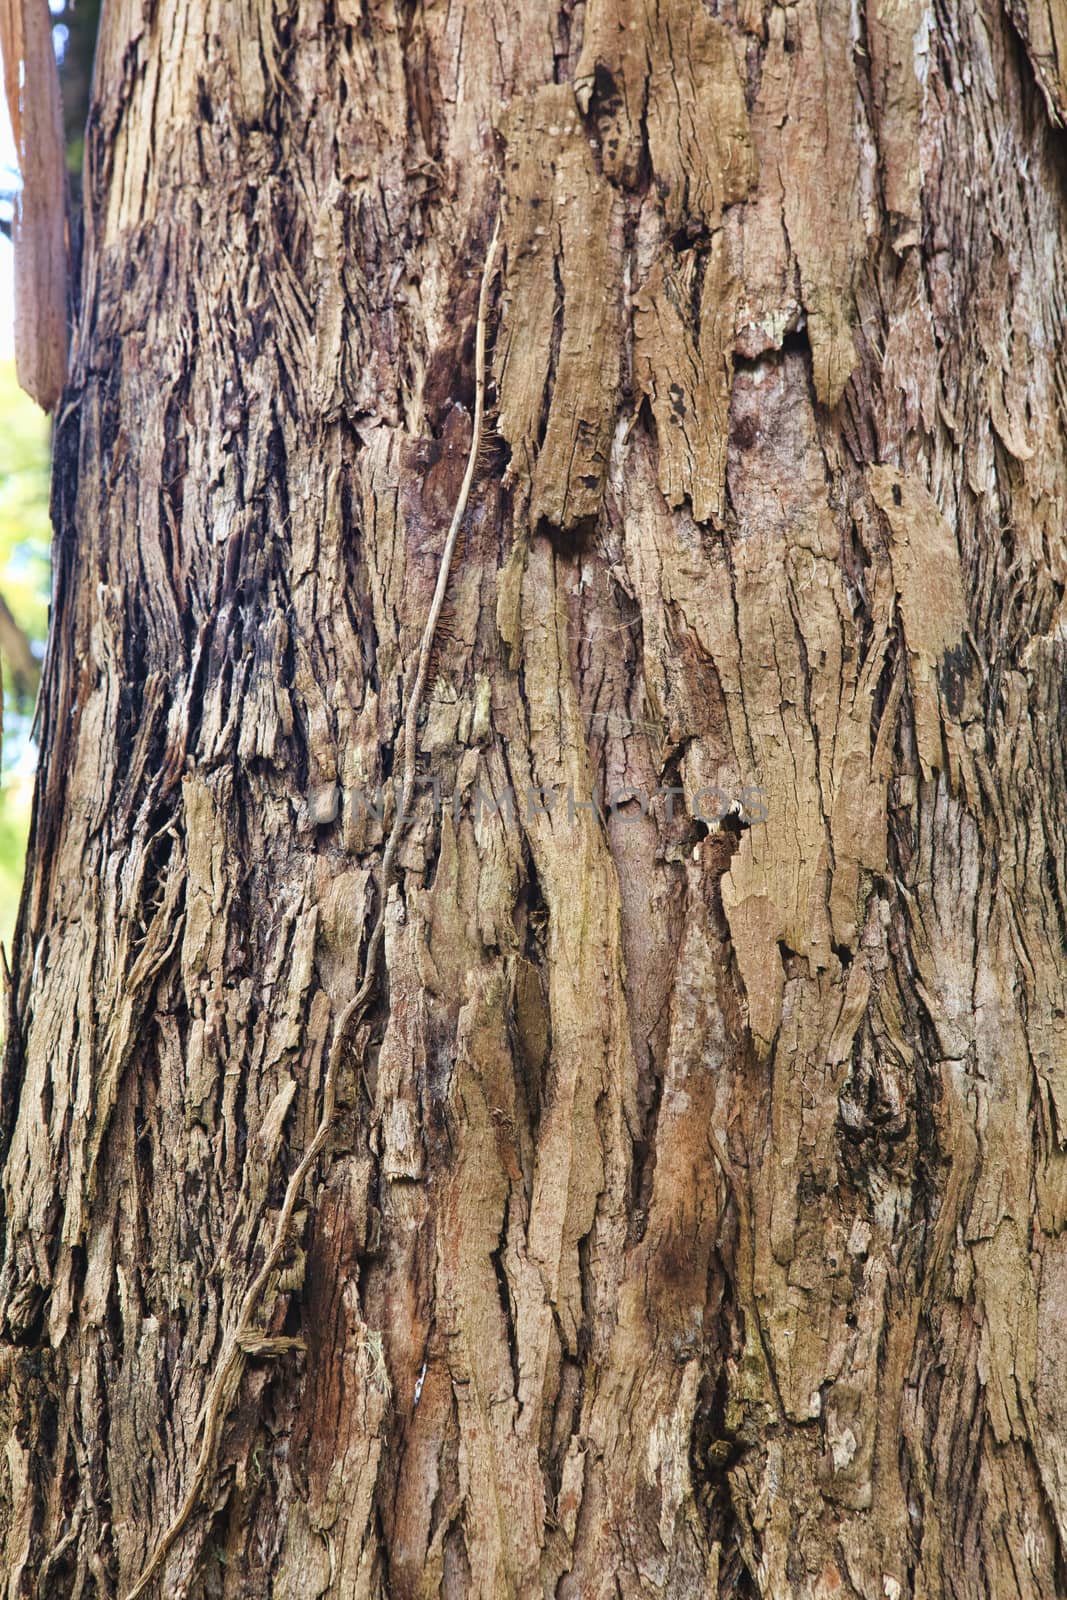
18	652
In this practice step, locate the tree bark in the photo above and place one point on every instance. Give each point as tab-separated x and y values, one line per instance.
692	1222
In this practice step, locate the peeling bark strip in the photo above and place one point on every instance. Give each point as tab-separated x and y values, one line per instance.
929	585
684	321
39	234
1043	26
689	1214
663	82
563	238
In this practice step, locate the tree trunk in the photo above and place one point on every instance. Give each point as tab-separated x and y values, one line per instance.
692	1218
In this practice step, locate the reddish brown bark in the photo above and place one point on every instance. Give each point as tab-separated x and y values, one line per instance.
692	1222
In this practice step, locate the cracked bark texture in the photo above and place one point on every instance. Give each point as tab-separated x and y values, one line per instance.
694	1219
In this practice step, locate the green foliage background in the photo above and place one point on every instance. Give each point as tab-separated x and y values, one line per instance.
24	577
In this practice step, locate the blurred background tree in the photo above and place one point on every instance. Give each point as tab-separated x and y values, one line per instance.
25	444
24	540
